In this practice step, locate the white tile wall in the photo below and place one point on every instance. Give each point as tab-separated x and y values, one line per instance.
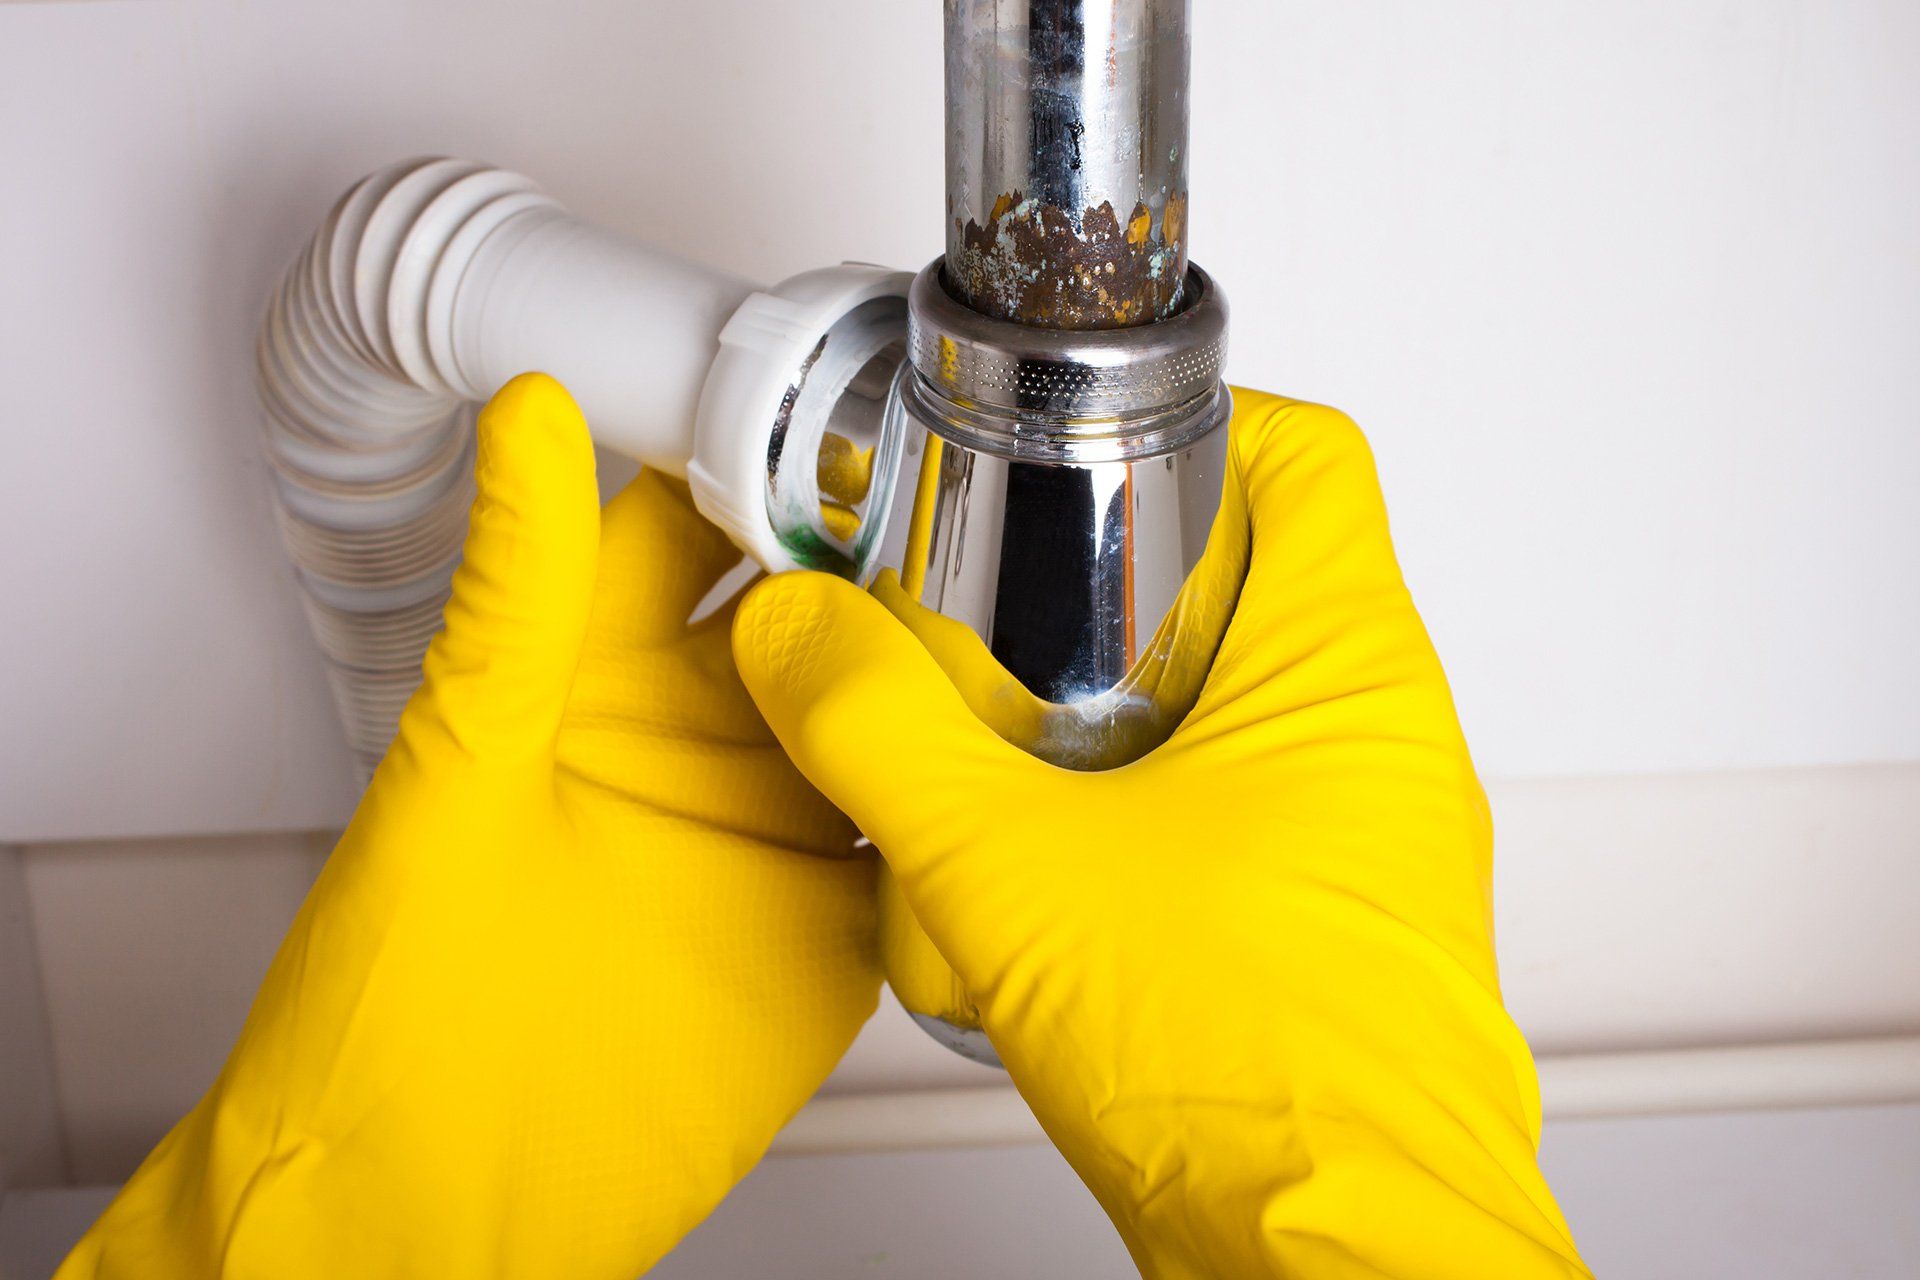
30	1151
1633	912
150	951
1764	1196
1760	1196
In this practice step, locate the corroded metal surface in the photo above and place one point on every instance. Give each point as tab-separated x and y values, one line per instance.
1041	265
1067	159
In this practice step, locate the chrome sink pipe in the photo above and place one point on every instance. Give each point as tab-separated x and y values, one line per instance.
1064	440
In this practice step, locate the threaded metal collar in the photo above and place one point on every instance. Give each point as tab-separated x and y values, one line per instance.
1080	395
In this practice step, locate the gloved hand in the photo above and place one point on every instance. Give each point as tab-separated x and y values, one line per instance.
1246	983
575	960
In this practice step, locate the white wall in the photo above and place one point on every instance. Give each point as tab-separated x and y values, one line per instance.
1626	295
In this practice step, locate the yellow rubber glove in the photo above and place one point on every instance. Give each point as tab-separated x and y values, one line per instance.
571	966
1247	983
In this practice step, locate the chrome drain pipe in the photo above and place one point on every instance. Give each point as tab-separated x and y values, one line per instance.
1066	417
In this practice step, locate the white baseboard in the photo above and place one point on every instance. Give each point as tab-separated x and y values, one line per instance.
1574	1086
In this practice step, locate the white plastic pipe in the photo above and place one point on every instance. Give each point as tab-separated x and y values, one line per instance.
433	282
429	284
629	329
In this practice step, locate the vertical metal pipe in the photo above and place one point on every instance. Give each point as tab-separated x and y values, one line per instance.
1067	159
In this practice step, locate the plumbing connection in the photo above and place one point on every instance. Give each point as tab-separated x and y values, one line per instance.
1028	434
430	284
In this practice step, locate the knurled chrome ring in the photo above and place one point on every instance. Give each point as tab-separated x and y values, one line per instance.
1023	386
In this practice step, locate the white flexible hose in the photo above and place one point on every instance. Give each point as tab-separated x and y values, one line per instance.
430	284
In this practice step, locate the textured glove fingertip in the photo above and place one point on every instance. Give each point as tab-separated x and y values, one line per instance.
859	705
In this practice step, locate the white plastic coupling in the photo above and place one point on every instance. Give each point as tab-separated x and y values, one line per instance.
816	352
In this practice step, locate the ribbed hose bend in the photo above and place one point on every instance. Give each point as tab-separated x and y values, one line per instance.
429	284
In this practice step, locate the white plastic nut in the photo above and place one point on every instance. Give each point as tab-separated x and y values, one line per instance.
776	375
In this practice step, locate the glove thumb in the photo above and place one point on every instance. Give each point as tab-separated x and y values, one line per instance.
496	677
872	720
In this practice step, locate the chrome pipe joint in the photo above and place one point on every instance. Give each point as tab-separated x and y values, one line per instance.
1063	486
1061	397
1055	491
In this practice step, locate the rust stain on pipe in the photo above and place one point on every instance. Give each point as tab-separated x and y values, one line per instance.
1042	265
